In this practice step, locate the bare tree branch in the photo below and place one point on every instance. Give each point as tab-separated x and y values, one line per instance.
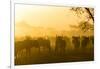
90	14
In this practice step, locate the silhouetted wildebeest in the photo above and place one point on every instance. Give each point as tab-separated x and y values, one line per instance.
44	43
60	44
25	45
76	41
68	42
18	47
92	39
84	41
29	44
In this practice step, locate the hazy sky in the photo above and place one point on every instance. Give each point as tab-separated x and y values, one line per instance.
57	18
45	16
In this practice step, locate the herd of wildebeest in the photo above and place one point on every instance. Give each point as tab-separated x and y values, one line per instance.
55	45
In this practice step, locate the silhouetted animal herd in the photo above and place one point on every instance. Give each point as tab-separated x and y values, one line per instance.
60	44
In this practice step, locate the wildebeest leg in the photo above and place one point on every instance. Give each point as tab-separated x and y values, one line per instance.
39	50
29	52
49	49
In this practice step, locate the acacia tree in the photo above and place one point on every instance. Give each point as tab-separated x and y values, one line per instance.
84	25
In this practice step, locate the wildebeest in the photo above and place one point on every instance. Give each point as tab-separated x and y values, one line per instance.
60	45
28	44
44	44
76	41
92	39
84	41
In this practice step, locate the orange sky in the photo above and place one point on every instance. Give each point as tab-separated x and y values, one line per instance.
57	18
